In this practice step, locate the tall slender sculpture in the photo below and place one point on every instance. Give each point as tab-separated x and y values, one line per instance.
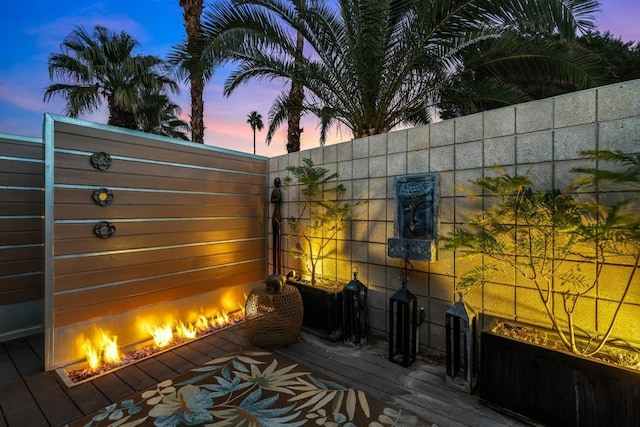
276	221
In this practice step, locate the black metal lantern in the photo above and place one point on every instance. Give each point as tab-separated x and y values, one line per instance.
462	347
355	328
403	326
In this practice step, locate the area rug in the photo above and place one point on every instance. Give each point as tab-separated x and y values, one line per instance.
250	388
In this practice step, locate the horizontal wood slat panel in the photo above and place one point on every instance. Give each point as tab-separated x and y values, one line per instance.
22	167
67	231
17	254
21	277
67	176
96	140
71	212
197	221
22	196
20	238
101	309
88	279
27	150
122	298
99	263
17	283
21	266
121	197
21	209
147	285
97	244
21	224
21	180
82	164
21	295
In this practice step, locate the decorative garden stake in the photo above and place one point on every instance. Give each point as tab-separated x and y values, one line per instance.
462	347
403	325
355	328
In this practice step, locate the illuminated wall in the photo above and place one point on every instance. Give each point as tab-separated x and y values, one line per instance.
544	138
187	222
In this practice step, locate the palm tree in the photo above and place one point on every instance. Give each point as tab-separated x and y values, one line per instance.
255	121
159	115
189	62
101	67
373	65
486	80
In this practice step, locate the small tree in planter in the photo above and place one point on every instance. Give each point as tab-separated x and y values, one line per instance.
550	238
321	216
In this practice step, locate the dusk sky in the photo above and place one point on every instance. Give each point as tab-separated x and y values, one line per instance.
31	31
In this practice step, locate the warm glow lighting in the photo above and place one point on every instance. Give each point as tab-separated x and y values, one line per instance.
109	346
162	335
203	323
102	351
186	331
91	354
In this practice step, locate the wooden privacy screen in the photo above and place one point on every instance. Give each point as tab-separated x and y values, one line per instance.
188	219
21	249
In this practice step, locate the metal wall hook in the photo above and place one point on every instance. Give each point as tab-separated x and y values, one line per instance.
104	229
102	196
101	160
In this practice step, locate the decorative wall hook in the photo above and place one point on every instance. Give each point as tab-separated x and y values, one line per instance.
101	161
104	229
102	196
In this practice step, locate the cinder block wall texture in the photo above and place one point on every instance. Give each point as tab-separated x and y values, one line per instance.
543	138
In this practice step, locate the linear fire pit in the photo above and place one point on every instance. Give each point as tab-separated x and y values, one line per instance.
80	372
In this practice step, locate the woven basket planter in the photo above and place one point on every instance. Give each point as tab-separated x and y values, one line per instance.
273	319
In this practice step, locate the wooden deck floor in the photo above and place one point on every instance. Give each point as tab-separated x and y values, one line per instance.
31	397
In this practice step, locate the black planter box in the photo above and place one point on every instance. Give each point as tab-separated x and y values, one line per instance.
322	310
555	387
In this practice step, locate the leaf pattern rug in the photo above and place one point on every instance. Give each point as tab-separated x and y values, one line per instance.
250	388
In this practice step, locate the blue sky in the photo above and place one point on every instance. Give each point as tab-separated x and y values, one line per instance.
31	31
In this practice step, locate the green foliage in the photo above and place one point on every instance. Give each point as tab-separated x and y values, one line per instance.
321	215
374	65
553	239
101	67
488	77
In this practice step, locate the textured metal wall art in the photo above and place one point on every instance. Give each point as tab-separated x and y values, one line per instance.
101	161
102	196
416	209
104	229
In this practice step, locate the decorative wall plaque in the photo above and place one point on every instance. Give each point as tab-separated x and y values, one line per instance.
415	219
102	196
101	161
104	229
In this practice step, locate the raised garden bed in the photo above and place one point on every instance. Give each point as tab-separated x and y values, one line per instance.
554	387
322	309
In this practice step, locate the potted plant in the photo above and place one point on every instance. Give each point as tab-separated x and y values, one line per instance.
561	244
321	216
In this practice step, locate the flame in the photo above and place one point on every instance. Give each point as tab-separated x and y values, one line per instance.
222	319
186	331
202	324
92	354
109	347
103	349
162	335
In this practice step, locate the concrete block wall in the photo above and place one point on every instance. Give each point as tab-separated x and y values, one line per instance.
542	138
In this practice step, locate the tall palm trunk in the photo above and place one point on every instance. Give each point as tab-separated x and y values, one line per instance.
296	97
192	24
121	117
